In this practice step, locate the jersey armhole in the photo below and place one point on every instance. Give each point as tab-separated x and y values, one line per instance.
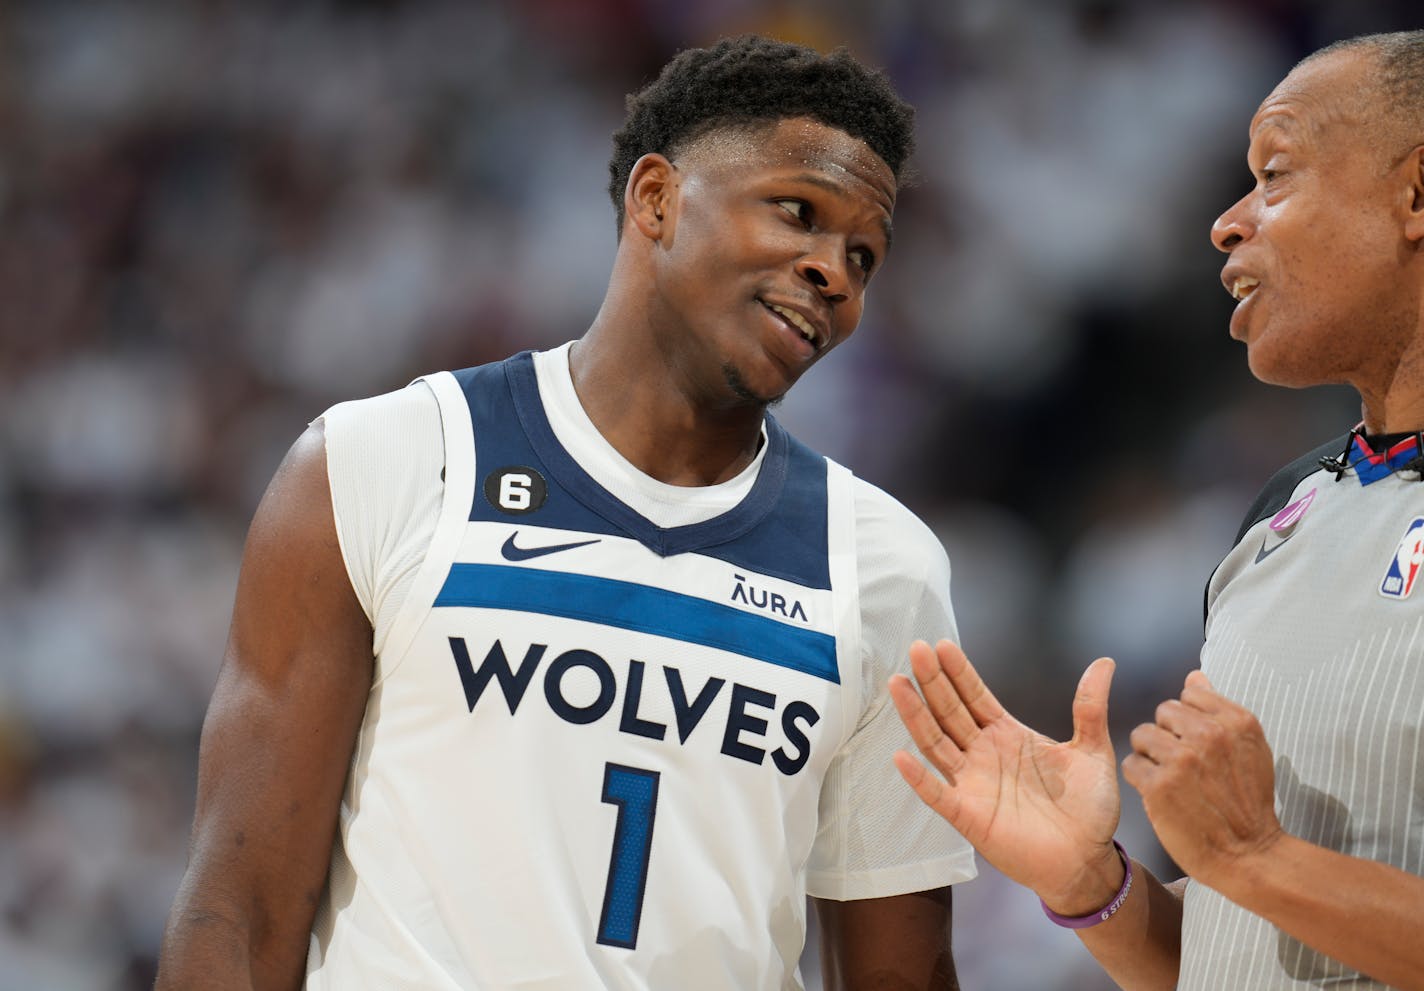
360	589
459	476
844	567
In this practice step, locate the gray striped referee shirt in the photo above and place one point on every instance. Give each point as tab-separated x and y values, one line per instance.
1315	622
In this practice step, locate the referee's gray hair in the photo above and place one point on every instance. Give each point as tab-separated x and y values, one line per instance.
1399	56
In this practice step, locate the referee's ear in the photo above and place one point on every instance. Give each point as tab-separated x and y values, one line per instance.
1413	173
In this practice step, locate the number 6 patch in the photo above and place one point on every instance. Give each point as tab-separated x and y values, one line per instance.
517	489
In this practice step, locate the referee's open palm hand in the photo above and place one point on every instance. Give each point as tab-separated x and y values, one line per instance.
1037	809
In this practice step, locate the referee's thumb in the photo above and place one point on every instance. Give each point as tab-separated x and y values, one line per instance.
1090	707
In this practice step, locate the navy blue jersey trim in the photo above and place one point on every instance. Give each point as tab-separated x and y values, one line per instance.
524	386
791	543
793	503
643	609
501	443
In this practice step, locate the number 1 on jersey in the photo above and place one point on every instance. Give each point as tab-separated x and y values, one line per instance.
635	792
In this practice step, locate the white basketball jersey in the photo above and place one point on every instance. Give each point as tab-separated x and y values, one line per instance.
594	752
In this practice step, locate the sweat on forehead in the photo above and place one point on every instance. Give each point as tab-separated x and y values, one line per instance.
753	141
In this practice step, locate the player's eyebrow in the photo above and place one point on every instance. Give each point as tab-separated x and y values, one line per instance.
838	189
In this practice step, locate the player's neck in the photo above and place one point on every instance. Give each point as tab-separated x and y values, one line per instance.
643	408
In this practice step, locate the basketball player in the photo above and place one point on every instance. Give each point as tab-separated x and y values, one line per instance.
1288	778
570	671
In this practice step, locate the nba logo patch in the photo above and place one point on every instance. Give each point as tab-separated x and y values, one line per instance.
1404	569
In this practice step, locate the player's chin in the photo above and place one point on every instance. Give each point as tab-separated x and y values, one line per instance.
762	386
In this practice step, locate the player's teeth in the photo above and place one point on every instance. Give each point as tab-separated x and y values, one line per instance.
798	321
1243	285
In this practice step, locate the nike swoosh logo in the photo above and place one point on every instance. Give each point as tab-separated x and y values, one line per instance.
514	553
1283	524
1262	554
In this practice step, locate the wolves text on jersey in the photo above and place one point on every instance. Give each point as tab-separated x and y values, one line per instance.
744	722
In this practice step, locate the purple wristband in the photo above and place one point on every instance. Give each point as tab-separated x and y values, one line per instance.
1107	911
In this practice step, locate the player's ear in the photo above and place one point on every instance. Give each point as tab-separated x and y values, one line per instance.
1413	173
648	198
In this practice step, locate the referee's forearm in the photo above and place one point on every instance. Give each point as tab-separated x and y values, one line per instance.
1360	912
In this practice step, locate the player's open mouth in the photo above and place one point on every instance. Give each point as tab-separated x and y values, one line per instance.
796	320
1243	287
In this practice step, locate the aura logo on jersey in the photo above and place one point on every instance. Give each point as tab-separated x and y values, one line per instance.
770	601
747	707
1404	566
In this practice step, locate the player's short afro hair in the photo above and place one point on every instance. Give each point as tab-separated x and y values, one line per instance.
750	80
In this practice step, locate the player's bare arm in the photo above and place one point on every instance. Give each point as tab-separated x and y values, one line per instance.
276	746
1041	811
1207	780
899	943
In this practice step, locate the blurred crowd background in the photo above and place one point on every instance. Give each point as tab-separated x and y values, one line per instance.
217	218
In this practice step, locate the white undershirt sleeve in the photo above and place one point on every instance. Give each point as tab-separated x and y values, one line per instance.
384	458
889	842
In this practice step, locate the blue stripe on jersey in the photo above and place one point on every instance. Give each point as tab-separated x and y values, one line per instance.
643	609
